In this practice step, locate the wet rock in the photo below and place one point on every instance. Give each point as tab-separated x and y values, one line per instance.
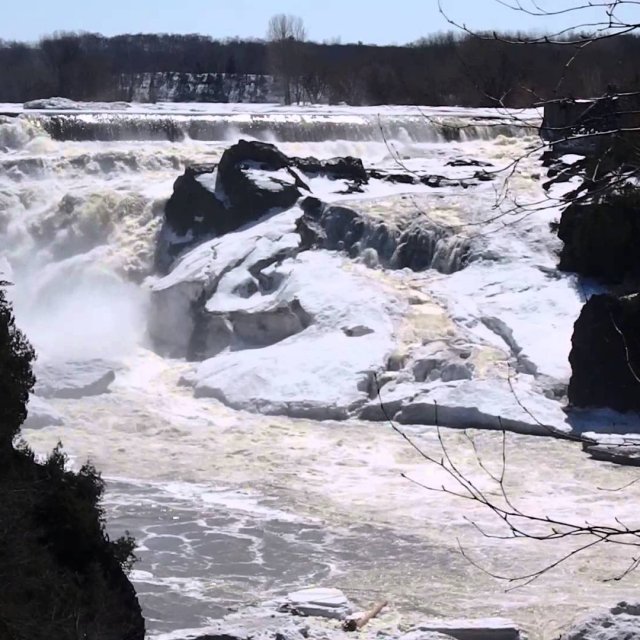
601	239
467	162
346	168
73	379
605	354
421	246
621	622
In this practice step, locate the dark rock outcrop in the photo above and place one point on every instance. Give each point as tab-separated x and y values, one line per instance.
568	123
347	168
252	179
601	239
242	188
421	246
605	354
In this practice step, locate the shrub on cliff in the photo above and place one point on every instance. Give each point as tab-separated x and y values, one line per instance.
60	575
16	375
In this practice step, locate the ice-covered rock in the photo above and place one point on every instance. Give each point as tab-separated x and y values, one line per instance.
322	372
621	622
65	104
41	414
176	86
229	266
321	602
425	635
73	379
493	403
521	308
252	179
481	629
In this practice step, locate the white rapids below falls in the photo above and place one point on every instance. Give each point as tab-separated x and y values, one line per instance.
282	485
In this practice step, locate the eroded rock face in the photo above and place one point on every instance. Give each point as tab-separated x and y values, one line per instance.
421	246
605	354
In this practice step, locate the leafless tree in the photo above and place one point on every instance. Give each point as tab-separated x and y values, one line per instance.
285	33
611	123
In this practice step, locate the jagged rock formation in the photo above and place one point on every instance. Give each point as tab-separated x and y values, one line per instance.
605	354
252	179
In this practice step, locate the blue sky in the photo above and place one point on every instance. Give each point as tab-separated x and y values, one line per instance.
377	21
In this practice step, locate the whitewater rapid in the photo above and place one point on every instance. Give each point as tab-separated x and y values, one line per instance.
231	508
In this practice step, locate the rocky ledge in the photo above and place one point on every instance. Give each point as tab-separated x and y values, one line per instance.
254	179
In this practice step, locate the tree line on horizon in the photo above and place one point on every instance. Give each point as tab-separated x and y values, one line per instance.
439	70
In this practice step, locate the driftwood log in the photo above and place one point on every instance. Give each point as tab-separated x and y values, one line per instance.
354	624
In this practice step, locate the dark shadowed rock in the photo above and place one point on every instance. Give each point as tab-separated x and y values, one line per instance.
601	239
605	354
254	177
467	162
192	207
347	168
622	453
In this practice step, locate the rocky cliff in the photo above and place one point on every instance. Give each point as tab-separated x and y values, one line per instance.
171	86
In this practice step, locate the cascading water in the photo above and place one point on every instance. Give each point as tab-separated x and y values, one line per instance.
230	505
